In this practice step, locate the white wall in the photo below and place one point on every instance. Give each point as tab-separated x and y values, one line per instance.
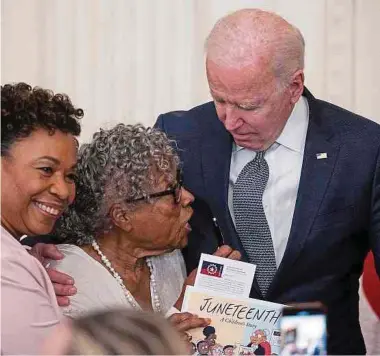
129	60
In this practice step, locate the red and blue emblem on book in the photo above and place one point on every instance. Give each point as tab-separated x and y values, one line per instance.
212	269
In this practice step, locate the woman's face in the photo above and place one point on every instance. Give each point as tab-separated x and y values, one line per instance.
162	225
37	182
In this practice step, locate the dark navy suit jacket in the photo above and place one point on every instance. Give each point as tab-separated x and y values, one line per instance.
336	218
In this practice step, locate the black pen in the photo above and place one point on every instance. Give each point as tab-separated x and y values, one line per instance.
218	233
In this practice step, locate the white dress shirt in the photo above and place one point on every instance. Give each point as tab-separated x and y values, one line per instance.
284	159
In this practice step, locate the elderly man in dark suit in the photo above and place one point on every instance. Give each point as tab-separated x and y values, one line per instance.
293	181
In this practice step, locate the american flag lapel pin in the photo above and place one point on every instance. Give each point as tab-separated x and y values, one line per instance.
322	155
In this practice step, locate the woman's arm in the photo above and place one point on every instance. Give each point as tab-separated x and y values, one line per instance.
29	309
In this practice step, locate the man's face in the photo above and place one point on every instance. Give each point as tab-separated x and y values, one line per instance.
250	103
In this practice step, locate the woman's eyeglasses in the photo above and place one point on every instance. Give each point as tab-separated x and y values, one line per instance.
176	191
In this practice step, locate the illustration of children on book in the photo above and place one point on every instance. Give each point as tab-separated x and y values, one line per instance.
210	334
259	340
245	351
208	346
216	350
193	348
229	350
203	347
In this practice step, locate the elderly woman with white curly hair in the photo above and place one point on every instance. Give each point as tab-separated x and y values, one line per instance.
123	234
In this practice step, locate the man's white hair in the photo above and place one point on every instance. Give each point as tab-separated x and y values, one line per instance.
242	38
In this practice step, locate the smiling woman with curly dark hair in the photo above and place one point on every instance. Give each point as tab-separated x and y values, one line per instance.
38	160
24	109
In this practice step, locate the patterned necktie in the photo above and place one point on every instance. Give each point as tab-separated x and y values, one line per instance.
251	222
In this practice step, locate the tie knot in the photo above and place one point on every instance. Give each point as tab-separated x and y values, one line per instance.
260	156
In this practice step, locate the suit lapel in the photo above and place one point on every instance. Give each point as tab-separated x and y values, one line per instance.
216	160
315	177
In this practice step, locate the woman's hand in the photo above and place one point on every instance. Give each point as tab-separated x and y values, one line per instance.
44	252
62	283
223	251
63	286
186	321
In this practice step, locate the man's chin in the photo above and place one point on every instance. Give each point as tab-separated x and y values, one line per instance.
250	144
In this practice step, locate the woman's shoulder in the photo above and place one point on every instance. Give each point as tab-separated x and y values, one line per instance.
71	250
17	263
74	260
96	287
22	274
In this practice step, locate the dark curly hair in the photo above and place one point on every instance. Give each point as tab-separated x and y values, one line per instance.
24	109
208	330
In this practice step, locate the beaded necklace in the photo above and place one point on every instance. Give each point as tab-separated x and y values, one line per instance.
132	301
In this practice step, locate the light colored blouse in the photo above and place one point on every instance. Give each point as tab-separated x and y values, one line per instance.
98	290
29	309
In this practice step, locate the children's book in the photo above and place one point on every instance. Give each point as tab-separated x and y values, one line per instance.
239	326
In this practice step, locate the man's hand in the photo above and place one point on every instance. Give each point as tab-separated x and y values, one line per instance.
223	251
62	283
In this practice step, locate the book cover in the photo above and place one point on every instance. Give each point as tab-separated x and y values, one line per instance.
239	326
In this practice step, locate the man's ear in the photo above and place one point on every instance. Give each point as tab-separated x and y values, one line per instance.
296	86
121	218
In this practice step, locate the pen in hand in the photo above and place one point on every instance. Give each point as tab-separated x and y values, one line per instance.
218	233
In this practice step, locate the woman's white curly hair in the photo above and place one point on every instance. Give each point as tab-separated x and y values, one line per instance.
119	164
